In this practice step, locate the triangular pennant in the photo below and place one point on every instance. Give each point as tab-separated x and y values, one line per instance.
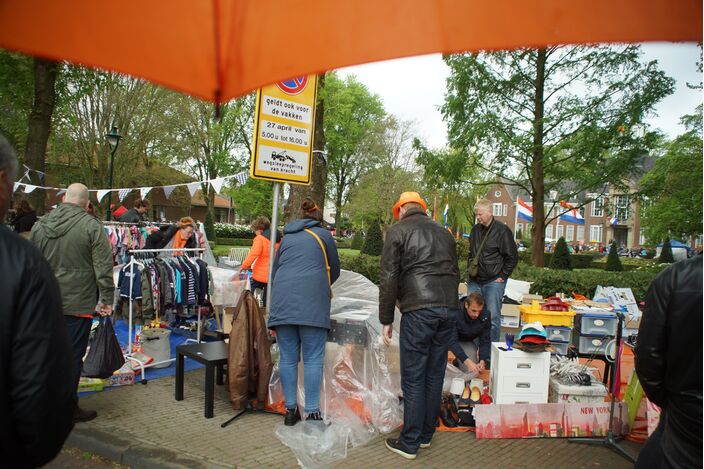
29	188
101	194
17	186
193	187
242	177
123	193
143	191
217	184
168	190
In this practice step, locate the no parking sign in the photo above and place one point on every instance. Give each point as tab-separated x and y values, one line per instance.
283	131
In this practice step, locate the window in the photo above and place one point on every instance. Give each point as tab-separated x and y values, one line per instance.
580	233
570	233
496	209
595	233
622	207
560	231
549	210
497	194
641	237
598	207
548	231
519	227
505	210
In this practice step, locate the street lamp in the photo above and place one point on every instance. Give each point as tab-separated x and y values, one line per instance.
113	139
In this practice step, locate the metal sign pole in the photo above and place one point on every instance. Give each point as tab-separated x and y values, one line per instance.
272	246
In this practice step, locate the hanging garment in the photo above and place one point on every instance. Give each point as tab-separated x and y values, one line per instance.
249	361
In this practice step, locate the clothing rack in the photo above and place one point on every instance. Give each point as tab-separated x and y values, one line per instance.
137	252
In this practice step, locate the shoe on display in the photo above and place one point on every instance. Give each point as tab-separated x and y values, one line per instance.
464	400
445	415
394	445
82	415
292	417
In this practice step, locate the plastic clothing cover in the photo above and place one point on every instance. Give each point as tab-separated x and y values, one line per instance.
361	379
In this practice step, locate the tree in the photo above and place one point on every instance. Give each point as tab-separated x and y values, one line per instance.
252	199
672	191
357	240
613	262
666	256
561	256
535	116
374	241
319	171
519	234
351	113
16	93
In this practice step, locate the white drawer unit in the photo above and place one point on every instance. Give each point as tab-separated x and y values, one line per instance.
518	377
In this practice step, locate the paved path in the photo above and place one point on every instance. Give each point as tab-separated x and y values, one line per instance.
143	426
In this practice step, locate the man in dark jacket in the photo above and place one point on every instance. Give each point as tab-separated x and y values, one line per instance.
137	213
419	271
669	365
471	341
80	255
497	259
36	393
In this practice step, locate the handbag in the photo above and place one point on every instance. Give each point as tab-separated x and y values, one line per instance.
105	354
325	255
473	266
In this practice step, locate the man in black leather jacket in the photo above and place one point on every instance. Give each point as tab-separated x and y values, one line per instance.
497	260
36	391
669	365
419	271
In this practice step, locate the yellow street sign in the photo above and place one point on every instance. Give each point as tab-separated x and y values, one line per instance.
283	131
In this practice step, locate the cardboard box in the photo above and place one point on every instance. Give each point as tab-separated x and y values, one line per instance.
528	298
90	384
462	290
122	377
565	393
510	316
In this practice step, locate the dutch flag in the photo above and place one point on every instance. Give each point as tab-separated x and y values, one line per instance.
613	220
444	214
525	212
572	216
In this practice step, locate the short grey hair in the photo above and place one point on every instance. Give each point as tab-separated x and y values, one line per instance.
484	203
8	159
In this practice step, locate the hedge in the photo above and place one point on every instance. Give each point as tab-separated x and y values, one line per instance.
546	282
343	243
227	230
234	241
577	261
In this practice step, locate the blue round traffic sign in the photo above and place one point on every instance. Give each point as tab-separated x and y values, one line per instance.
293	86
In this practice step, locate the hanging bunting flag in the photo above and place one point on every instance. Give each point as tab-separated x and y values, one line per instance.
242	177
143	191
101	194
17	186
217	184
123	193
168	190
193	187
29	188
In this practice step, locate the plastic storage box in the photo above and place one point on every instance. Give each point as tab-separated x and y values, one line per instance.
595	344
560	347
533	313
602	323
565	393
558	333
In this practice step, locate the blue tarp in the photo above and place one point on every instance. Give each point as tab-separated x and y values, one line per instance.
676	244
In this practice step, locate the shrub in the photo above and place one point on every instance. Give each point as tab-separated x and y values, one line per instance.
357	240
228	230
613	263
369	266
342	243
374	242
577	261
234	241
209	225
547	282
462	248
519	234
560	259
666	253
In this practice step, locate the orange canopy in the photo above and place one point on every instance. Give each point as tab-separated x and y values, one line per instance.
221	49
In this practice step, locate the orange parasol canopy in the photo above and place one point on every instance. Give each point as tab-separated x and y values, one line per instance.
220	49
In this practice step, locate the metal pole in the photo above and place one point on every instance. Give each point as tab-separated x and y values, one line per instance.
272	246
112	159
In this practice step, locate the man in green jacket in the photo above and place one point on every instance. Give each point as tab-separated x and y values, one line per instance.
79	253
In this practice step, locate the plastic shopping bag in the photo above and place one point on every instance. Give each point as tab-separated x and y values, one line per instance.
105	355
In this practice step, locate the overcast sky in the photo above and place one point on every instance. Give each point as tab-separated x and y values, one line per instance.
413	88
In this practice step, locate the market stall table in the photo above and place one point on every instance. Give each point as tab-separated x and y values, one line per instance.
211	354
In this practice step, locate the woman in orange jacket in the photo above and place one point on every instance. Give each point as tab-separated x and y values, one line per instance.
259	254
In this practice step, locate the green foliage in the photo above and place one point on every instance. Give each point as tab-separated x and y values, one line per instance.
547	282
519	234
209	225
666	256
369	266
577	261
561	256
228	230
613	262
374	241
493	119
672	190
235	241
253	199
357	240
342	243
16	97
462	248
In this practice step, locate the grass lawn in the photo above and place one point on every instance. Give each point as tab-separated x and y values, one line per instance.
349	252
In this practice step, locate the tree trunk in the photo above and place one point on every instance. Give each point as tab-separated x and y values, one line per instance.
45	72
538	194
319	171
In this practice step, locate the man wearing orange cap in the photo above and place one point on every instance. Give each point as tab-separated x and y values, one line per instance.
419	272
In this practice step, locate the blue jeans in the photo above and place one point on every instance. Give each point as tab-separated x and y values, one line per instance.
311	341
493	293
424	338
78	333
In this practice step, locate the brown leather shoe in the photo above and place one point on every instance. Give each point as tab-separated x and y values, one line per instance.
81	415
